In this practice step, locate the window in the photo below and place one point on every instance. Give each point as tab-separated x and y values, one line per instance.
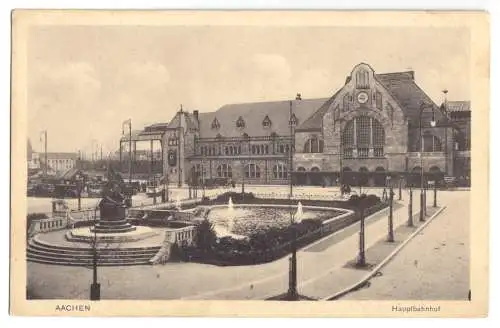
252	171
293	120
362	134
313	145
199	171
362	81
224	171
345	105
378	100
240	123
280	171
266	123
431	144
173	141
245	136
215	124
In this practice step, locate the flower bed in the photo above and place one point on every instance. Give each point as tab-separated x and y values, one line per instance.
269	243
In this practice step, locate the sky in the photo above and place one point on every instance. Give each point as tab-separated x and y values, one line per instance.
84	81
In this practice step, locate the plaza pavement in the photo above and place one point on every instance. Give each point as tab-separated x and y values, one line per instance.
318	269
434	265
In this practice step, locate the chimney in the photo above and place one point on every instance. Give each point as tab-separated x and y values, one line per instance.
196	115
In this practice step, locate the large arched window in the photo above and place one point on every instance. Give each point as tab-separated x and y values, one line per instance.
224	171
280	171
363	137
252	171
313	145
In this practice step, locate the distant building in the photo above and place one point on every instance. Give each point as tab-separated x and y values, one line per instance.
59	162
33	158
370	125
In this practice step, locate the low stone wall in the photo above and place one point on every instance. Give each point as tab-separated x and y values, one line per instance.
47	225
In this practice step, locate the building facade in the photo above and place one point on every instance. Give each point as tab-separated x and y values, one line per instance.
376	125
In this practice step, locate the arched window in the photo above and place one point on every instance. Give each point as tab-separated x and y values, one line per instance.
435	169
301	169
252	171
347	169
364	136
362	81
345	104
313	145
224	171
315	169
199	171
245	136
417	169
280	171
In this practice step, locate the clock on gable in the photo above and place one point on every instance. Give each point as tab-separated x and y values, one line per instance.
362	97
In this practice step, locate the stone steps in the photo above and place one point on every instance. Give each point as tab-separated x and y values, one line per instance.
42	252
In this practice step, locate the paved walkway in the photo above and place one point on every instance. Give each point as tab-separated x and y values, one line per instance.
434	265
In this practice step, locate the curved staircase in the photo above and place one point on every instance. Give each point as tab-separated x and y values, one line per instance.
42	252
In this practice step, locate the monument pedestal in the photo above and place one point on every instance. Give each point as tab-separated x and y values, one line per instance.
112	219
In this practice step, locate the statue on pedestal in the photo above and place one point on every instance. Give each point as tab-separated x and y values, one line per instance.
112	206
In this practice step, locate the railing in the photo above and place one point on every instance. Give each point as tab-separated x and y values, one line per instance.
47	225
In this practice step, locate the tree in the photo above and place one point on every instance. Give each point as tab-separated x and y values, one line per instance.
205	236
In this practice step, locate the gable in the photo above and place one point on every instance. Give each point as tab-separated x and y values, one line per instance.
363	92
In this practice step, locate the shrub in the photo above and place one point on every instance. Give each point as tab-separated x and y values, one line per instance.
236	197
205	236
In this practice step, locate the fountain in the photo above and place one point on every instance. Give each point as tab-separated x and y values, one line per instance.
230	215
299	214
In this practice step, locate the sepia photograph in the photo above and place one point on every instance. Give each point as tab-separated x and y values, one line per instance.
323	159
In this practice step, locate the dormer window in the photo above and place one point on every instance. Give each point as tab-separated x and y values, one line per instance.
266	123
293	120
218	136
215	124
245	136
240	123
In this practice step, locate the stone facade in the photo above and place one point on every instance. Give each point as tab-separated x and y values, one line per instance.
377	115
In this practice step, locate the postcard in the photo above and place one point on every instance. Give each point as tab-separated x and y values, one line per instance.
250	163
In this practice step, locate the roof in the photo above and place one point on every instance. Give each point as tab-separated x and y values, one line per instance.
458	106
254	114
69	174
402	86
315	120
184	119
60	155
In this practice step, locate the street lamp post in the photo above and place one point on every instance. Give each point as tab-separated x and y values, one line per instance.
423	106
400	196
435	193
361	255
410	208
95	287
390	236
79	190
292	281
